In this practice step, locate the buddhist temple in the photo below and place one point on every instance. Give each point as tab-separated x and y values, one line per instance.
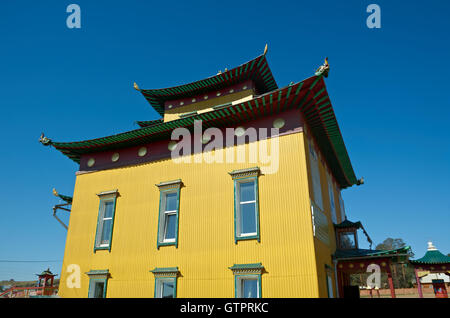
157	212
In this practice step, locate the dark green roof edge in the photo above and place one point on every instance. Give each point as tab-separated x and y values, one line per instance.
246	266
165	270
343	254
348	224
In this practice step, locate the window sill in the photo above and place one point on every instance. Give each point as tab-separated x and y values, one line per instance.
96	248
248	237
167	244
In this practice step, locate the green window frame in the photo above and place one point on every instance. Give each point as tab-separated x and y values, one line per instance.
241	177
247	272
106	198
162	276
167	189
97	277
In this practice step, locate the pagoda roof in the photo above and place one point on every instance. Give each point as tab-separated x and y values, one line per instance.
309	95
343	254
432	257
348	224
257	70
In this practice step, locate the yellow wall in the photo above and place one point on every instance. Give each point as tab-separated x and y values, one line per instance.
206	247
323	252
205	105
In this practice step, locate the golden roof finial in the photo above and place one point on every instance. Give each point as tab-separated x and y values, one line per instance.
219	72
55	193
265	49
136	87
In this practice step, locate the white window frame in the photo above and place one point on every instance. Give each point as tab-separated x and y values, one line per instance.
330	286
332	199
315	175
239	233
105	197
160	284
240	285
165	217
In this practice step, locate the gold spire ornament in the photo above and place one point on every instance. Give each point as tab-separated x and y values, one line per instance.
323	69
136	87
55	193
265	49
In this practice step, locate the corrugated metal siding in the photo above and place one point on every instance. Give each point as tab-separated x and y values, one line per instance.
206	246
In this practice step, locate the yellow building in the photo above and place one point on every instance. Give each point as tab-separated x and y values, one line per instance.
244	208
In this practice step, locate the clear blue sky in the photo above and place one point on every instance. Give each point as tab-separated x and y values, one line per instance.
388	86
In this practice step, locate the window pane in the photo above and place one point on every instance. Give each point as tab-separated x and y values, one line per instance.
247	191
108	209
170	226
248	218
167	289
106	231
250	288
98	292
348	240
171	202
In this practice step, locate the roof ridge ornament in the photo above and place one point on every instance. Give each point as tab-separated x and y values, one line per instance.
44	140
136	87
265	49
431	247
323	69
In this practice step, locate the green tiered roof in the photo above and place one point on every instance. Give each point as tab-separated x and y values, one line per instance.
432	257
257	70
309	95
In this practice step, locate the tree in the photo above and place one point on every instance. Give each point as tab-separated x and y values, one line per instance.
402	273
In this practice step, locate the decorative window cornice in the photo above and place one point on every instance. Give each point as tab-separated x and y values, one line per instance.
243	269
98	273
242	173
165	272
114	193
166	185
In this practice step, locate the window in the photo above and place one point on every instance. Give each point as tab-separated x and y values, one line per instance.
246	207
97	283
342	207
332	203
166	282
315	175
247	280
105	220
247	286
320	224
347	240
168	213
165	288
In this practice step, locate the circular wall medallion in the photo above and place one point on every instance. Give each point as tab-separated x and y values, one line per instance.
142	152
361	265
115	157
278	123
239	131
170	106
383	264
231	90
91	162
181	103
205	97
350	265
245	87
218	94
172	145
194	100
